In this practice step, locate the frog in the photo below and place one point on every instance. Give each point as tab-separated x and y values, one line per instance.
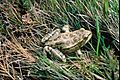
58	42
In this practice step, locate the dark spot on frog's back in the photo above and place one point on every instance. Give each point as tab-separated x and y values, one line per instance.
75	39
76	32
64	36
59	37
71	35
67	42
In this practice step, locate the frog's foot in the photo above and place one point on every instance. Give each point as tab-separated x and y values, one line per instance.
56	52
79	52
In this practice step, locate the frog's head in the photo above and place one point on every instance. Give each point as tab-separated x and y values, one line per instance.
85	35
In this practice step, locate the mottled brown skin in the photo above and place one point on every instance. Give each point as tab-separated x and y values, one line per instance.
67	42
70	41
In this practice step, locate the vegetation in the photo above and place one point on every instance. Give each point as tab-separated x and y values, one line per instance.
24	22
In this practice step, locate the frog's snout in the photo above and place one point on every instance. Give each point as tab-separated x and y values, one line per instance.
88	34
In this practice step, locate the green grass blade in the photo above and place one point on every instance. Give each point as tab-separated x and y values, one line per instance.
98	36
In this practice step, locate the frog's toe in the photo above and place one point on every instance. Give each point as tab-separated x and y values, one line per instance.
64	59
46	48
79	52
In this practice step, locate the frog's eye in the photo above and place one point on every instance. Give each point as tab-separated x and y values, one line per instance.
82	29
66	28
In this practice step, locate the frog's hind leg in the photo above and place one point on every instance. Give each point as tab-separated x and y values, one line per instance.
56	52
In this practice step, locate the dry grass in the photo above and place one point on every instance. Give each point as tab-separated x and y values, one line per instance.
23	26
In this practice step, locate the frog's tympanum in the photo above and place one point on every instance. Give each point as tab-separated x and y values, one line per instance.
59	43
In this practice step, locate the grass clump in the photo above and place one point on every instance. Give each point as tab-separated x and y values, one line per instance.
23	23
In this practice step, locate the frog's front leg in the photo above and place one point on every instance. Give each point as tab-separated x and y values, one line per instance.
51	36
56	52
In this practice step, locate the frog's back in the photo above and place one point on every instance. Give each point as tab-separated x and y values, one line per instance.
70	41
66	40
